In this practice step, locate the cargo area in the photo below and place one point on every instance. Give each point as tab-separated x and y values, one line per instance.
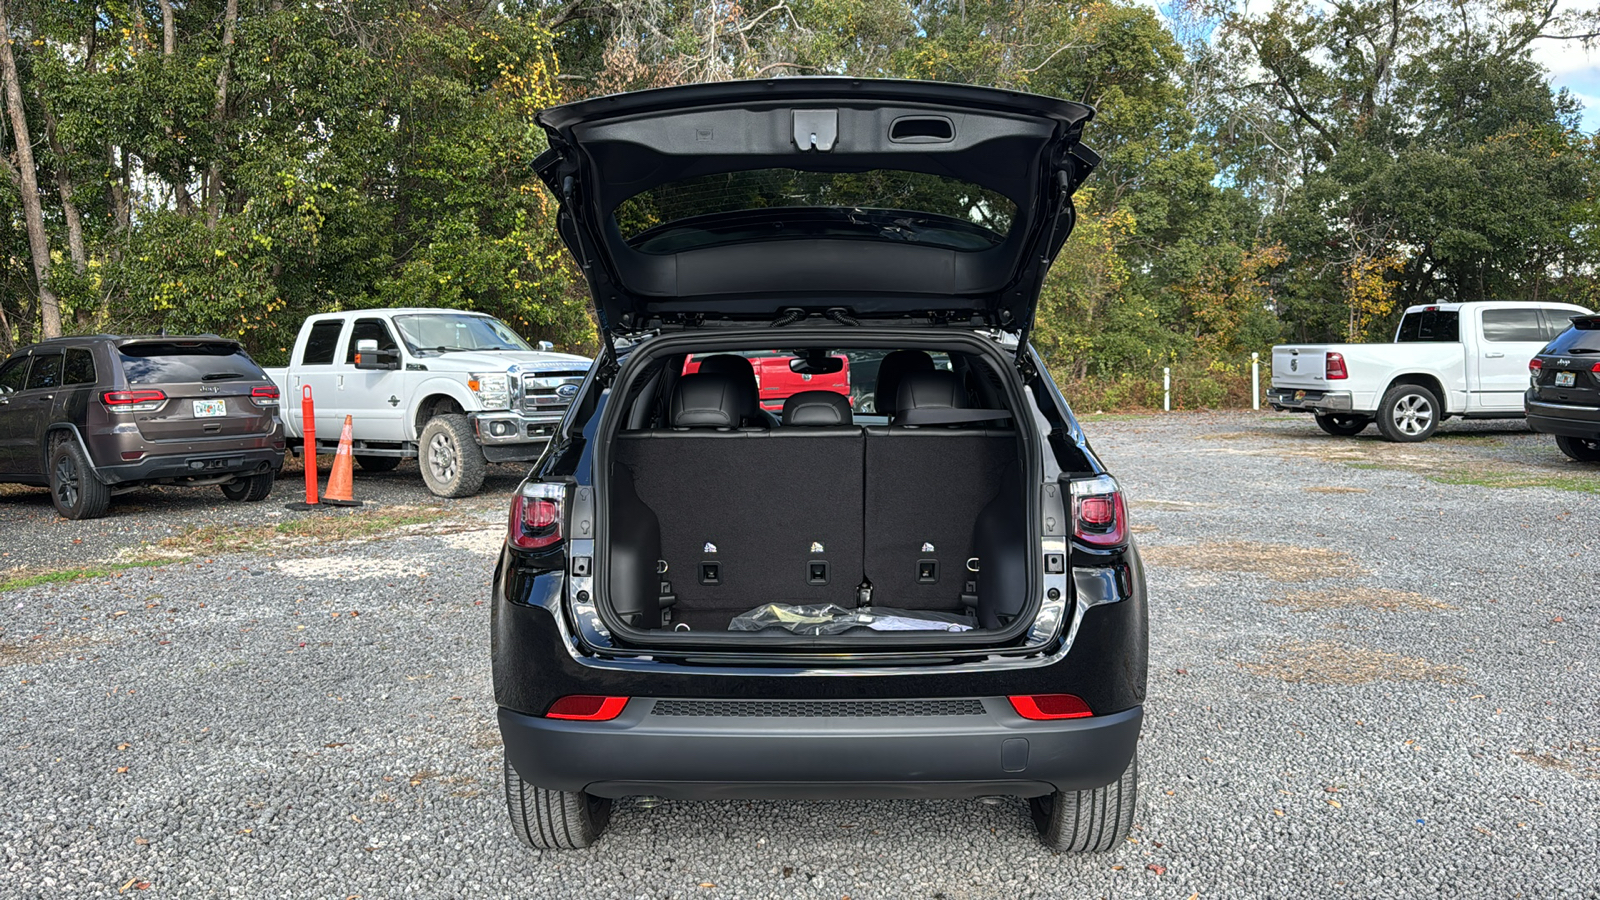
914	506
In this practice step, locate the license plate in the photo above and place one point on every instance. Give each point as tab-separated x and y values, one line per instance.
204	409
1299	395
1564	379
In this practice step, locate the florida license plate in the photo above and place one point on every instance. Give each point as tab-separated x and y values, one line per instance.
1564	379
207	408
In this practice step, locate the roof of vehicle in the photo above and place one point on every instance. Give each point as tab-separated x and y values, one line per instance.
124	339
398	311
1473	304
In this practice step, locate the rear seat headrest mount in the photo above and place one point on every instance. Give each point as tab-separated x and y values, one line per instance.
706	401
815	408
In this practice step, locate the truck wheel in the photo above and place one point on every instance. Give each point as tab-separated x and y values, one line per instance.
554	820
1408	413
74	490
1088	821
451	463
377	463
1343	425
250	489
1579	449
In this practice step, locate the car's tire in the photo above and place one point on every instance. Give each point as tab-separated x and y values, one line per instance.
74	489
377	463
1088	821
554	820
1343	424
452	463
1409	413
1579	449
251	488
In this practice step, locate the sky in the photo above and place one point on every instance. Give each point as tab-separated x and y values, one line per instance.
1577	70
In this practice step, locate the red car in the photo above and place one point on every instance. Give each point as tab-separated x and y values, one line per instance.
777	382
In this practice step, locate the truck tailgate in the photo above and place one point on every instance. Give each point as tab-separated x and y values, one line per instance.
1299	366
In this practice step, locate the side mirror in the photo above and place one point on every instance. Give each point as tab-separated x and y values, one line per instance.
546	346
368	356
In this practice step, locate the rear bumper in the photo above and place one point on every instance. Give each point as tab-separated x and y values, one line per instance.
1563	419
194	465
1311	400
994	751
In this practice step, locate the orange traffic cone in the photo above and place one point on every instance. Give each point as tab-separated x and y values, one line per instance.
339	491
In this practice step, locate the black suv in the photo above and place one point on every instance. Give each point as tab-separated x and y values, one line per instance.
1563	397
940	598
95	416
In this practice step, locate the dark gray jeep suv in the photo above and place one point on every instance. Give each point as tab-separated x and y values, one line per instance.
95	416
934	594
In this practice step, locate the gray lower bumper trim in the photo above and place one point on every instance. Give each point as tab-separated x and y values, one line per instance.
704	757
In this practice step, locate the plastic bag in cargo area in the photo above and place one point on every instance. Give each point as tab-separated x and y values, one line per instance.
826	618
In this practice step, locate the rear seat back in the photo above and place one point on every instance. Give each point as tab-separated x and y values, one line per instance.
925	489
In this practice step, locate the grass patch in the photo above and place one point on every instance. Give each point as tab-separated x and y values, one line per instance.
1327	662
1384	599
1511	479
26	578
41	649
320	528
1281	562
1114	417
1576	758
1333	489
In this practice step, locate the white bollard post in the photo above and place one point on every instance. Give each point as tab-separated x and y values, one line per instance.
1255	381
1166	389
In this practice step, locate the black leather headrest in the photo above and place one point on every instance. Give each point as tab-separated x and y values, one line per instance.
816	408
931	390
743	375
706	401
891	370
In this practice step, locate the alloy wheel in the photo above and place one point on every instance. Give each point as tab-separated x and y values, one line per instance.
67	481
1413	413
442	458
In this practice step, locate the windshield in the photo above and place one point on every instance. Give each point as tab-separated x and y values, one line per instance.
448	332
1583	337
882	204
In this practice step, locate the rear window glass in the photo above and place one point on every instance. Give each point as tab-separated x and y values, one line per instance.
80	367
1582	337
1430	325
1512	325
881	204
157	363
321	343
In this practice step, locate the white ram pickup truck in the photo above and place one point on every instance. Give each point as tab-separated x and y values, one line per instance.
457	389
1447	359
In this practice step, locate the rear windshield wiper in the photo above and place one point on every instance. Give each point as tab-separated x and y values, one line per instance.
221	376
1574	351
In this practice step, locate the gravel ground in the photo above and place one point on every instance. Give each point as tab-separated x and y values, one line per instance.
1364	683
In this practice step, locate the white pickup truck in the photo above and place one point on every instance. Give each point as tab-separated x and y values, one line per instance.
1447	359
459	389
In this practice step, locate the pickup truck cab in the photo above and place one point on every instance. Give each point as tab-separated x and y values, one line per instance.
1447	359
459	389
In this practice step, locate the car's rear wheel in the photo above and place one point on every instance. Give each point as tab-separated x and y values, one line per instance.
1088	821
250	489
451	463
1408	413
1343	425
554	820
74	490
1579	449
377	463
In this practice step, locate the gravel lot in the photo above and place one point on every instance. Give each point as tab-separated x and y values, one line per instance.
1365	682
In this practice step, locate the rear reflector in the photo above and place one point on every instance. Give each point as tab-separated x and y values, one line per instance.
587	708
1050	706
1335	366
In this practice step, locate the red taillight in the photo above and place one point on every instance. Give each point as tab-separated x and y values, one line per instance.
1050	706
1535	366
1335	366
1099	514
124	401
535	522
1595	368
264	395
587	708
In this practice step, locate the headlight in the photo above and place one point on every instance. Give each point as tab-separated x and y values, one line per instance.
493	389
